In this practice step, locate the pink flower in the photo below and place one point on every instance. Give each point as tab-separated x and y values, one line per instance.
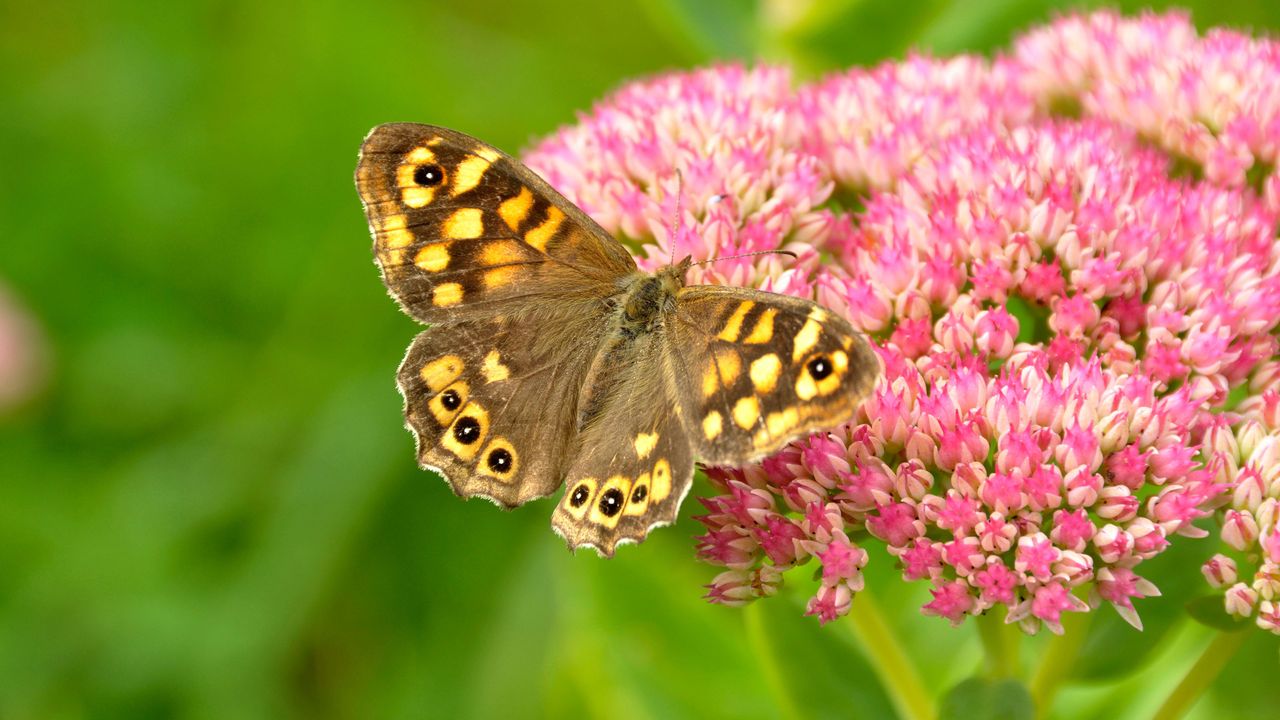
951	600
842	562
831	602
996	583
1118	586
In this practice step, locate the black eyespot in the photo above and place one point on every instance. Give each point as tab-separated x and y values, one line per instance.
450	399
428	175
467	430
820	367
640	493
579	496
500	460
611	502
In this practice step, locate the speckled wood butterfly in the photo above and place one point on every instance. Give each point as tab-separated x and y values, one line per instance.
551	358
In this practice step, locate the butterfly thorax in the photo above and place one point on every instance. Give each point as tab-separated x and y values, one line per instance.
646	298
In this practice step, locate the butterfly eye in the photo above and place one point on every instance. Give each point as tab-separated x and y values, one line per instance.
450	399
611	502
820	367
579	496
467	430
500	460
428	175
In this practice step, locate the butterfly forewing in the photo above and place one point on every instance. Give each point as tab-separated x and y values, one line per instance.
760	370
460	229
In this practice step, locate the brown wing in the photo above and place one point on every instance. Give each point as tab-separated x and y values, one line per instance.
492	403
461	230
632	464
759	370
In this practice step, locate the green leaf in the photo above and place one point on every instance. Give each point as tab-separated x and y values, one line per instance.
986	699
1208	610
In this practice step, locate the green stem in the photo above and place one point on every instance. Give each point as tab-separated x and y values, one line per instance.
889	661
1215	656
1000	644
769	666
1058	659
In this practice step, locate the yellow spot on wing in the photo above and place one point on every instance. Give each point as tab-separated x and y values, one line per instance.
488	153
420	155
729	364
441	371
500	276
416	197
746	412
778	425
806	338
712	424
404	176
513	210
763	330
493	368
733	326
395	232
463	224
468	174
645	442
433	258
765	371
710	379
446	294
501	252
806	388
541	235
661	487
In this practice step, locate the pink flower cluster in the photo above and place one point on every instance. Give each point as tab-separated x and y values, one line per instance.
1249	573
1212	101
1078	334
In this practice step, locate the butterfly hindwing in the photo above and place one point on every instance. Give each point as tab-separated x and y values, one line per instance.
632	463
493	405
761	370
461	230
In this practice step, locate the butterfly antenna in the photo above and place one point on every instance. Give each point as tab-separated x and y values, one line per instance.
788	253
677	225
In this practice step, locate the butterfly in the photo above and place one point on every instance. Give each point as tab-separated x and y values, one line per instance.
551	359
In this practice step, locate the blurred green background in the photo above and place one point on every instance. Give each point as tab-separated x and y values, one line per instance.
212	509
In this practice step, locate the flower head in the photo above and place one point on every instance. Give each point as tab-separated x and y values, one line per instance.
1061	312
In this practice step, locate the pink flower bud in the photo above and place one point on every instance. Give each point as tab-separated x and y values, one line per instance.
1240	600
1267	580
1219	571
1239	529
